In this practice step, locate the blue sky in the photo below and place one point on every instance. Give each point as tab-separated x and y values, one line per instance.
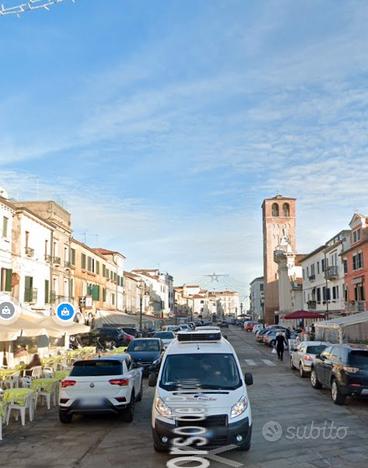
163	124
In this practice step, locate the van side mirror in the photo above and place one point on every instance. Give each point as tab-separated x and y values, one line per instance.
248	377
152	379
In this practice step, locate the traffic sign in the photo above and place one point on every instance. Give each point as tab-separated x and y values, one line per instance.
7	310
65	312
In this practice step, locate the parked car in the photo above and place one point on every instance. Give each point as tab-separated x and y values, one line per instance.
304	356
104	338
146	353
248	326
260	335
173	328
108	384
343	369
223	324
258	327
165	336
131	331
270	337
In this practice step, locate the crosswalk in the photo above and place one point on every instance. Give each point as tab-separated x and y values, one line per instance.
259	362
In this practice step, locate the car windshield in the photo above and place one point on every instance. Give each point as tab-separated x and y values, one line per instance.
205	371
165	335
316	349
96	368
144	345
359	359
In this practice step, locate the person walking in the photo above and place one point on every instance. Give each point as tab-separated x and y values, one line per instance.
280	345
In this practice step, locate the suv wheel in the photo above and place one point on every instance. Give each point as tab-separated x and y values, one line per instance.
314	380
65	418
301	370
128	414
337	397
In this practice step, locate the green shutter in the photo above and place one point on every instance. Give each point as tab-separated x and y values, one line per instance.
104	294
96	292
28	284
8	280
47	291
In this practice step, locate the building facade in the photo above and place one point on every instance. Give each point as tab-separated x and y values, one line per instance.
324	278
355	264
279	222
132	293
7	211
256	295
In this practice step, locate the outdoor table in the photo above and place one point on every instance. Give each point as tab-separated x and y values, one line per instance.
17	395
60	375
45	385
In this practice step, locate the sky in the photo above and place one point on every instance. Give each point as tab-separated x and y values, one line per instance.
163	124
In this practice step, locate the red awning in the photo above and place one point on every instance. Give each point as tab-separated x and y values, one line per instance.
303	314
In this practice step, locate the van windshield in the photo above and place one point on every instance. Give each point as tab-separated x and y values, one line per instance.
200	371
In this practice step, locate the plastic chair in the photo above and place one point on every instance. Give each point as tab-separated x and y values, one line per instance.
21	409
13	380
48	396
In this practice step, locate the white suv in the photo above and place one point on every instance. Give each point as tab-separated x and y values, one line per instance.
108	384
201	394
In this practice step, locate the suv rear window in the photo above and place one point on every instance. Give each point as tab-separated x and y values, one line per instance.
96	368
316	349
359	359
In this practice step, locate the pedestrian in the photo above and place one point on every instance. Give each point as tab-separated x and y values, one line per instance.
280	345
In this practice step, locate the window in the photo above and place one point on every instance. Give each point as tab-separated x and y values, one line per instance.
6	279
72	256
275	210
5	226
98	267
47	291
323	264
104	294
113	299
318	268
27	239
335	292
345	263
319	295
286	209
313	273
356	235
83	261
346	294
28	289
359	293
326	294
261	287
358	261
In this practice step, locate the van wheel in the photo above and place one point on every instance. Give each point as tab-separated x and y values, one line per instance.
128	414
140	394
314	380
65	418
337	397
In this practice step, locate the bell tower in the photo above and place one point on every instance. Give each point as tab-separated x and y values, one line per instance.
279	225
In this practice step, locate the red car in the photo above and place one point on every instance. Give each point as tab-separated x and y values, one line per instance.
248	326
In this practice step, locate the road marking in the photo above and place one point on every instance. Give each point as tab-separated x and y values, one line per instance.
268	362
250	362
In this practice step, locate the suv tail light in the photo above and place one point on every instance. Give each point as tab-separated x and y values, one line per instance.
120	382
67	383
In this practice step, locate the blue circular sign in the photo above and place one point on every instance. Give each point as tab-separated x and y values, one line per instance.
65	312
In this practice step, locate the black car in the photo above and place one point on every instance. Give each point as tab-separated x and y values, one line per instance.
146	353
103	338
223	324
344	370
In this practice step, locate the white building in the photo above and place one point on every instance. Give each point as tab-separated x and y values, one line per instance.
160	300
7	211
323	276
32	237
257	298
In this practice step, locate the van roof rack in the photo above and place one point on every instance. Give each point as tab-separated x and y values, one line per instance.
195	336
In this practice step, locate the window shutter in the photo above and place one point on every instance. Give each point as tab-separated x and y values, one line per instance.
47	291
8	280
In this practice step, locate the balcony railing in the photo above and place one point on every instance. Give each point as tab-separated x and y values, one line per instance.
355	306
29	252
57	261
312	277
332	272
48	258
30	295
68	265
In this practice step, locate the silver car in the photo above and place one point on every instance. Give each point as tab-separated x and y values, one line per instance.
304	355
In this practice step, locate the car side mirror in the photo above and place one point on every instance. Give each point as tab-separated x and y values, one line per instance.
248	377
152	380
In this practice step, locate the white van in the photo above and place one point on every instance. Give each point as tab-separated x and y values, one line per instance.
201	396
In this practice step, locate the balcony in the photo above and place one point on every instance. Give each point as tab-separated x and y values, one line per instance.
57	261
68	265
312	305
332	272
29	252
48	258
312	277
355	306
30	295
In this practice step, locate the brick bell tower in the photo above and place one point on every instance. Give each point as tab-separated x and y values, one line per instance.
279	222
